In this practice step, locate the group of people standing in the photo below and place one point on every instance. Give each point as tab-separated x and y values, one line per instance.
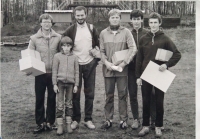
73	56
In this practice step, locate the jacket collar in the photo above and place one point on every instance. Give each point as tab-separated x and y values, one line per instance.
119	30
139	30
39	34
69	54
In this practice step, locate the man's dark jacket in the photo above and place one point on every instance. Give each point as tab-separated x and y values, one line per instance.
71	32
136	35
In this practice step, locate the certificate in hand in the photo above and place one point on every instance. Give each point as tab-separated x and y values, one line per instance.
161	80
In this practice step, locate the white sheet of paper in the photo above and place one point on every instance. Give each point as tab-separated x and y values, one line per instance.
161	80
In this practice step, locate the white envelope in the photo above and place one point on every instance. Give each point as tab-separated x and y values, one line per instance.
161	80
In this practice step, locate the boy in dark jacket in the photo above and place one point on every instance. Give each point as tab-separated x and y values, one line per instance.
138	31
149	45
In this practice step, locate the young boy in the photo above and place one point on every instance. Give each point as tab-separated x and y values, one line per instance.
138	31
65	77
149	45
116	38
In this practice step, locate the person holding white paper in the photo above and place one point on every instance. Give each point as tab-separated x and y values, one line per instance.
46	42
148	46
116	38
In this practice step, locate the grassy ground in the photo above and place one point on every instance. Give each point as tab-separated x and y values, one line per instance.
18	99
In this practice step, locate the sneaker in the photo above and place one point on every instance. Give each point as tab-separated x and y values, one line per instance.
39	129
50	127
152	126
107	125
74	125
135	124
144	131
89	125
123	125
158	131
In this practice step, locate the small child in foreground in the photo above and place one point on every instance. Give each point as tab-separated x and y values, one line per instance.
65	76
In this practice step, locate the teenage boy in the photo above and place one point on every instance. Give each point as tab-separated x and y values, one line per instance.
116	38
85	39
45	41
136	17
149	45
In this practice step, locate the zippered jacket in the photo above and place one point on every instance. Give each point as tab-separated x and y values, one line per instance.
71	32
136	35
65	68
148	46
111	43
47	47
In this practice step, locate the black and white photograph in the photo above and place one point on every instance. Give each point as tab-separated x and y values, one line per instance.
99	69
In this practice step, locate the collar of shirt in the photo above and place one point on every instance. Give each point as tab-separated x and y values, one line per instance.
81	26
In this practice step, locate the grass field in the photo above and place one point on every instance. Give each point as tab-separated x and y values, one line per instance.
18	99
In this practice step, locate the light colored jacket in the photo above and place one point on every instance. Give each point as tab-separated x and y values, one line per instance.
47	47
110	43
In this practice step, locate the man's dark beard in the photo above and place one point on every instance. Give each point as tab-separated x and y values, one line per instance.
81	22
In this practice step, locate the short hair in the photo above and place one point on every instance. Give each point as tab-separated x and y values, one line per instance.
113	12
66	40
156	15
79	8
136	13
45	16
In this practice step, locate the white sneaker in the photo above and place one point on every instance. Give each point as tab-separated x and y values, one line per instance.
144	131
158	131
89	125
74	125
135	124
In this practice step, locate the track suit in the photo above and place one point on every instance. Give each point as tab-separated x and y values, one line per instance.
148	46
109	44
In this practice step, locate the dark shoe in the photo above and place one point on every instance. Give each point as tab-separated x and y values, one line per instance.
152	126
123	125
50	127
107	125
39	129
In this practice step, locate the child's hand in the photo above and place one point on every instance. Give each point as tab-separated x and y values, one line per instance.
75	89
55	88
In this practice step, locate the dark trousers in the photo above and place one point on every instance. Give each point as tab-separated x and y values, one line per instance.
87	72
64	99
41	83
133	90
146	98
